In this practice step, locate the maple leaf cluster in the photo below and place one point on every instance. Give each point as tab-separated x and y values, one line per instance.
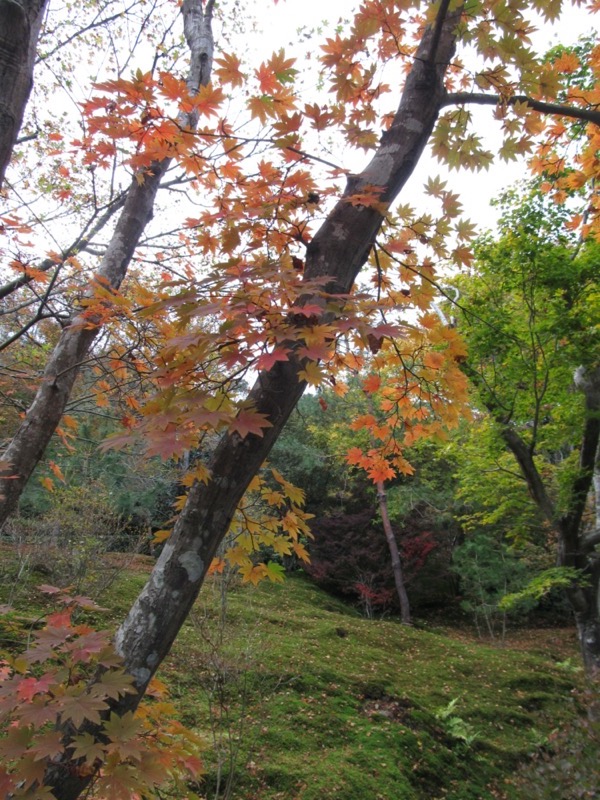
269	524
66	678
187	328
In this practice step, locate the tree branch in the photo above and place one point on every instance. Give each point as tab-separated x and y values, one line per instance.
481	99
523	455
80	244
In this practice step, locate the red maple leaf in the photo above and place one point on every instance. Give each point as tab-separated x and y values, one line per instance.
249	421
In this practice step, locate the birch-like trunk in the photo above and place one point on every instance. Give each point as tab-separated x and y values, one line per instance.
43	416
20	24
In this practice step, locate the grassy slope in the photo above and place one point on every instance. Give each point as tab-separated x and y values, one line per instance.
311	701
335	706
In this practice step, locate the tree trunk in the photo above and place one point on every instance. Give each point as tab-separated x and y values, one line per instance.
588	633
20	24
33	435
394	555
338	250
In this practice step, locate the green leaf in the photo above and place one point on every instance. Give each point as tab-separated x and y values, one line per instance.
275	572
16	742
542	584
85	746
122	729
113	684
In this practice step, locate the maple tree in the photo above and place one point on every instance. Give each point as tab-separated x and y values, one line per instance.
528	318
260	277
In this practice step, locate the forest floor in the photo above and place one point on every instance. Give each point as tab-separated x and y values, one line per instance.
301	698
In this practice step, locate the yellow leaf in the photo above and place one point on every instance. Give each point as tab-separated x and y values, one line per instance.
255	484
273	498
283	547
19	664
238	557
199	473
301	552
312	374
253	574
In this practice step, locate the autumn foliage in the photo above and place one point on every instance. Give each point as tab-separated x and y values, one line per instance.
68	677
209	232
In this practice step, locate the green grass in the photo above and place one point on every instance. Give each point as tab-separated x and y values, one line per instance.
302	699
336	706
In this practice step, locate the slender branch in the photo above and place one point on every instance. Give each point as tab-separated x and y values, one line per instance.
40	315
97	23
481	99
28	325
80	244
27	138
311	157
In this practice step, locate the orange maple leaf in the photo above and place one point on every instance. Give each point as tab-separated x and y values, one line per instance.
372	383
380	470
355	456
229	70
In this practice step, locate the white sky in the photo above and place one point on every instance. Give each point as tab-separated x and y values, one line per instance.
281	23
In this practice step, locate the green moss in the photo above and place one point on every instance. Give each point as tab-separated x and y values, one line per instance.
355	715
306	700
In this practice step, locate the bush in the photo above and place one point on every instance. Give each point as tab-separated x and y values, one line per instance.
64	544
488	570
350	557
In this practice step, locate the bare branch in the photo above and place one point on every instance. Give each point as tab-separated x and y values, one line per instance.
556	109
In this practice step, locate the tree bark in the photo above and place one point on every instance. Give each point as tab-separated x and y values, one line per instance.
20	24
394	555
588	634
576	548
338	251
32	437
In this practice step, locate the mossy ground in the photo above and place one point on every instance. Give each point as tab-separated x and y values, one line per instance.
302	699
316	702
